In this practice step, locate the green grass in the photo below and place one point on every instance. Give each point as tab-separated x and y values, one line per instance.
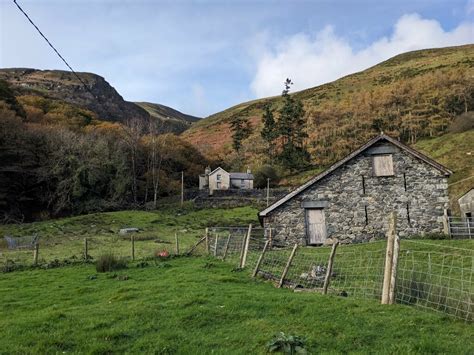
64	238
198	305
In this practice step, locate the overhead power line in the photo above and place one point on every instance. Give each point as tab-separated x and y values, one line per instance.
54	49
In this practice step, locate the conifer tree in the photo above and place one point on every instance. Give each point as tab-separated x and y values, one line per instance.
269	131
240	130
291	131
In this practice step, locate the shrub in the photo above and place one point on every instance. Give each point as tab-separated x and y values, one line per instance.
109	262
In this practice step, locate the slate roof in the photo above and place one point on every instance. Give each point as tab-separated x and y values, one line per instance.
341	162
241	176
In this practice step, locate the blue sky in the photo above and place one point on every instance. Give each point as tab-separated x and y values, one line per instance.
201	57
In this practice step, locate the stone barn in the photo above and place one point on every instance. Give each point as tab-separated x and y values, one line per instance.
351	201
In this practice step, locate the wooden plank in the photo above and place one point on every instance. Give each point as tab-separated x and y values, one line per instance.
196	245
86	249
388	263
316	226
260	258
327	278
176	243
287	266
246	247
215	245
383	165
393	275
226	248
207	240
36	254
133	247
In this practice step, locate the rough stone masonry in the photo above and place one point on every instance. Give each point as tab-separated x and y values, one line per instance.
357	204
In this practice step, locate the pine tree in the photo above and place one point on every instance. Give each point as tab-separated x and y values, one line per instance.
240	130
291	131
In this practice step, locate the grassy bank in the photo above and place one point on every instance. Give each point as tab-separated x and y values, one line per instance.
198	305
64	238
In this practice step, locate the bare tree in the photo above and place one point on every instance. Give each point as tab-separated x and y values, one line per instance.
134	129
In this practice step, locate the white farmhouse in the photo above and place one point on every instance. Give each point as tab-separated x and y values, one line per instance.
219	179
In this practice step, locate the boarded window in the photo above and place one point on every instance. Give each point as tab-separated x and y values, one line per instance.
316	226
383	165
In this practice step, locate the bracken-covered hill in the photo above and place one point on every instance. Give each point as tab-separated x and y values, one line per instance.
413	95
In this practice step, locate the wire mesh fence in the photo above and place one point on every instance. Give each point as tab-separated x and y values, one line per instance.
430	275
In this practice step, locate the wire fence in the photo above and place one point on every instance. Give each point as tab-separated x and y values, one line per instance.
461	227
430	275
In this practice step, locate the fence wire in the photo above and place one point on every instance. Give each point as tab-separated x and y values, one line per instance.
431	276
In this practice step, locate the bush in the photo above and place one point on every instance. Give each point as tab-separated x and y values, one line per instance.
109	262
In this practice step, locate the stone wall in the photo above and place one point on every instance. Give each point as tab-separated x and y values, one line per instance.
426	196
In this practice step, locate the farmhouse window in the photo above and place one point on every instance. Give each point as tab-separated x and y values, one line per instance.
218	185
218	177
383	165
242	183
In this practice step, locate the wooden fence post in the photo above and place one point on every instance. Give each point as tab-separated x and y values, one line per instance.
226	248
86	249
446	227
246	246
176	243
287	266
207	240
36	254
393	276
388	261
270	237
215	245
133	247
329	268
260	258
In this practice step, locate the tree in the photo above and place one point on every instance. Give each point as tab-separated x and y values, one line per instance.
269	131
240	130
291	131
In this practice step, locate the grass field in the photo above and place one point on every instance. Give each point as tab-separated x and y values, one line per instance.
198	305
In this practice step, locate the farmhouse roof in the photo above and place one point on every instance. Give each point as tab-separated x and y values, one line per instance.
242	176
213	171
341	162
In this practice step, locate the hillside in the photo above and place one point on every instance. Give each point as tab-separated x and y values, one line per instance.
57	89
411	96
173	120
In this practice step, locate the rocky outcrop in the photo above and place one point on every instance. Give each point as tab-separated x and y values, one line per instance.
98	95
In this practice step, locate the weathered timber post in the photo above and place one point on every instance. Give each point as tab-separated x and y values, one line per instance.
446	227
215	245
226	248
133	246
206	236
260	259
327	278
393	274
176	243
270	237
287	266
86	249
246	247
36	254
388	262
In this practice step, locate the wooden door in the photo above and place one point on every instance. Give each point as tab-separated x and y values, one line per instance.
316	226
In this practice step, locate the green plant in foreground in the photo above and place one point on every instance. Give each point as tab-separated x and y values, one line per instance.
287	344
109	262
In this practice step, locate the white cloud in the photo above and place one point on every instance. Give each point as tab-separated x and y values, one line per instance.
314	60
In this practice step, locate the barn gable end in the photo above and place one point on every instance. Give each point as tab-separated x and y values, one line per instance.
356	195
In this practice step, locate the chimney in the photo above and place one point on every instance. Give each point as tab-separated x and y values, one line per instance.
208	170
248	170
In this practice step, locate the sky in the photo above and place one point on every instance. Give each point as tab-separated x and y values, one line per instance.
202	57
